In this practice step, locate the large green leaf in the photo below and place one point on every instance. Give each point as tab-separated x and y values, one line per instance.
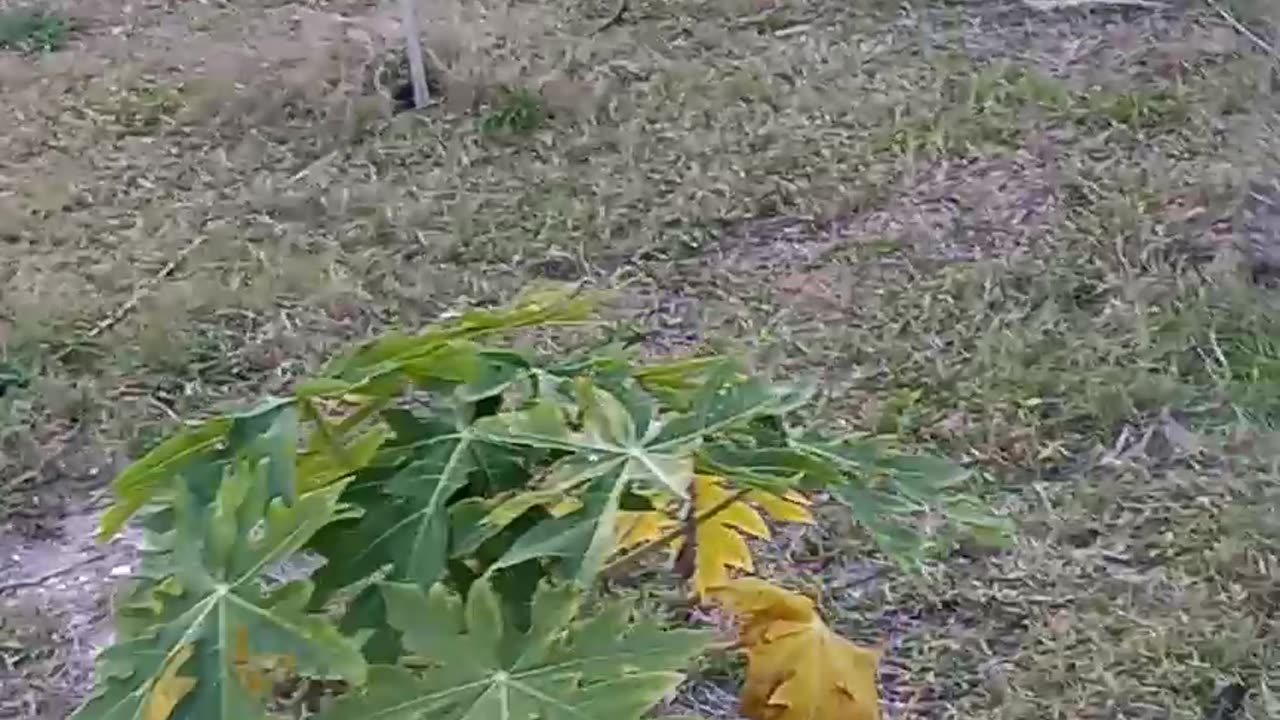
478	667
406	520
889	493
214	629
611	442
384	366
270	427
137	484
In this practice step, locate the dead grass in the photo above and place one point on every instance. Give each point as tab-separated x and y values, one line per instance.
1004	233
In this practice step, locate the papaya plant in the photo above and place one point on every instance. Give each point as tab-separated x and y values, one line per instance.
426	524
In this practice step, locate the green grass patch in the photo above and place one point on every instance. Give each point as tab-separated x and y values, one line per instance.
33	30
517	112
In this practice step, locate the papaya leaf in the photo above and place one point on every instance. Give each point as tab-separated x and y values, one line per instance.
214	625
675	381
135	487
406	520
888	493
279	445
379	367
621	444
797	668
496	372
321	467
723	521
769	469
479	667
269	428
582	540
426	366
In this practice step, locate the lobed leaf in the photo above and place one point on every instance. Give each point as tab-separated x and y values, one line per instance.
383	366
797	668
213	623
618	444
477	666
406	519
270	427
888	493
720	543
135	487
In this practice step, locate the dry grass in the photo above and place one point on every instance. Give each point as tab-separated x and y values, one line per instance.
1004	233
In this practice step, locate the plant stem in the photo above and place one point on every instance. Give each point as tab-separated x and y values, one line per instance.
612	569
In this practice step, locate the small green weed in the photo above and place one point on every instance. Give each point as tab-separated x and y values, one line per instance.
518	111
12	377
32	30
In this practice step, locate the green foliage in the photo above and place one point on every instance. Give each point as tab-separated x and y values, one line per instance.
203	631
432	467
31	30
518	111
479	665
12	377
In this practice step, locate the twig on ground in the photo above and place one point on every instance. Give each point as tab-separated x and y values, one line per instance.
1244	30
140	292
619	14
42	579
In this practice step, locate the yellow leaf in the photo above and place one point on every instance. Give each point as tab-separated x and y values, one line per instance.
170	688
721	546
258	674
797	668
790	507
637	528
720	542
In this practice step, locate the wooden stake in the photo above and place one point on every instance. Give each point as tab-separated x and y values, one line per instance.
413	44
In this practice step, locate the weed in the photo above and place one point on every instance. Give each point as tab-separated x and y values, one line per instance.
32	30
12	377
517	111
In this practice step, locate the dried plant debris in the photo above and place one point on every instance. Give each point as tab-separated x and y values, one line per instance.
1260	229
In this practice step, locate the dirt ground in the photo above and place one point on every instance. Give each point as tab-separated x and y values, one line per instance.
1022	234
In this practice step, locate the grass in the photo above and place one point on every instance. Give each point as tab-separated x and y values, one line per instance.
1010	244
33	30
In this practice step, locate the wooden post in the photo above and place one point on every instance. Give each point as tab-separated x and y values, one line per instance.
413	45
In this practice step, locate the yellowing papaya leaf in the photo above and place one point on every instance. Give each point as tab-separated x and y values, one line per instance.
721	545
720	542
170	687
790	507
616	444
637	528
797	668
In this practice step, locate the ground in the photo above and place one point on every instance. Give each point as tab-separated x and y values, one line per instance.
1009	231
